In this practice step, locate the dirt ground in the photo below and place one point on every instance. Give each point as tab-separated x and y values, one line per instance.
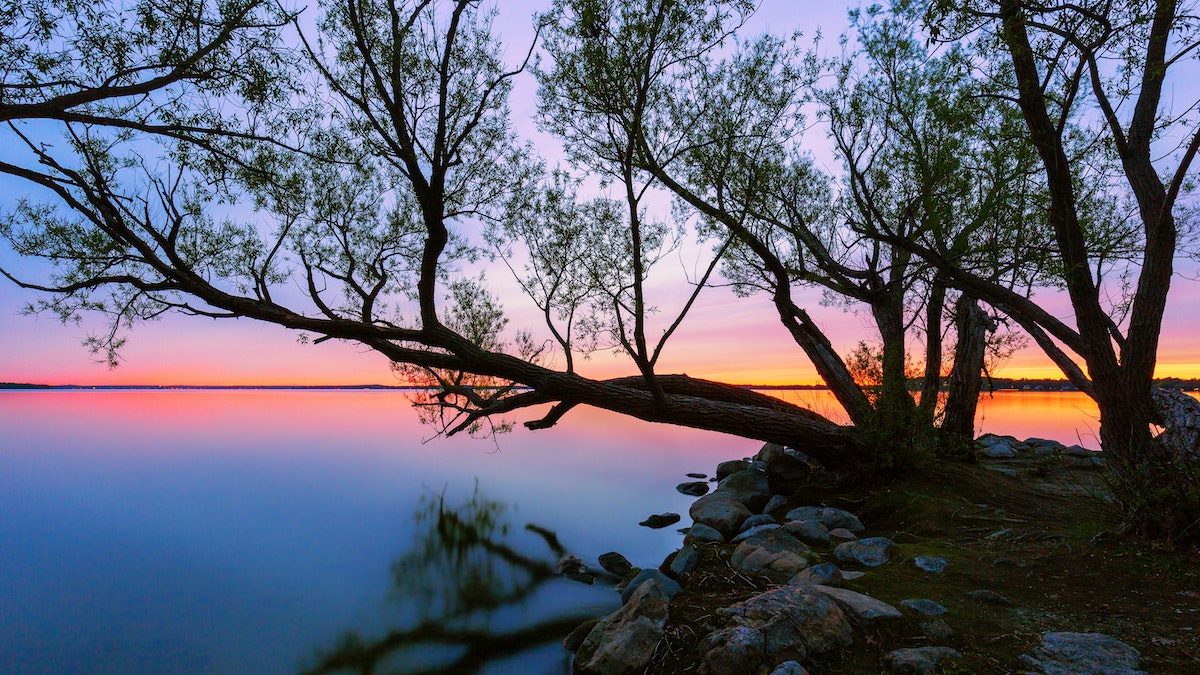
1041	540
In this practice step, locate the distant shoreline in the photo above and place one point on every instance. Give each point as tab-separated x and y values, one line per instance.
998	384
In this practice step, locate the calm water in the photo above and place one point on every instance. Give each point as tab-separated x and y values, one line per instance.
259	531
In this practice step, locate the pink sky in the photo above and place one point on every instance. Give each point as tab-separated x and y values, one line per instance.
727	338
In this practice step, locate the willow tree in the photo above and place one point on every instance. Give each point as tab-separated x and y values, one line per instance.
1117	64
373	234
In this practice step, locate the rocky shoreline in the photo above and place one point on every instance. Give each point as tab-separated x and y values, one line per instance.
800	556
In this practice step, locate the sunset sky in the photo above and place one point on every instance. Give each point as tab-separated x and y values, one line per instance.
726	338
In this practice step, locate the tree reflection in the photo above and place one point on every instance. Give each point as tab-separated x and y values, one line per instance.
468	589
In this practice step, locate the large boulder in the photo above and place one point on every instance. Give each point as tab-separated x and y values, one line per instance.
733	651
785	472
863	609
829	517
795	621
721	511
731	467
773	554
869	552
1082	654
749	487
623	642
669	586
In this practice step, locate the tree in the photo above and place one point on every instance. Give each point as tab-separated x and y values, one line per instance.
1111	62
377	220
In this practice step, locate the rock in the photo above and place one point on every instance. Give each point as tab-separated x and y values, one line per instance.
732	651
842	533
869	552
785	472
701	533
994	439
930	564
576	637
795	621
789	668
701	476
937	628
863	609
758	519
775	503
923	606
1082	654
748	487
1090	462
829	517
825	574
757	529
731	467
918	660
1076	451
721	511
774	554
769	452
990	598
998	451
660	521
614	563
809	531
693	489
685	561
851	575
623	642
669	587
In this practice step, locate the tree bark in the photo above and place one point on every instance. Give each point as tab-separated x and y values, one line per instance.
972	325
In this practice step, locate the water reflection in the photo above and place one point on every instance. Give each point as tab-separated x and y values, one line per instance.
469	595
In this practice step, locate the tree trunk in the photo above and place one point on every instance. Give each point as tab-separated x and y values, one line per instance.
972	325
931	383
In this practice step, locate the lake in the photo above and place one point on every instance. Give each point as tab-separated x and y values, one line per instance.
284	531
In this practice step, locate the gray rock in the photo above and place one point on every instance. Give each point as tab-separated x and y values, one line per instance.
731	467
851	575
668	586
809	531
660	521
990	598
623	642
785	472
685	561
1091	462
701	533
918	660
701	476
930	564
998	451
829	517
733	651
994	439
576	637
758	519
842	533
869	552
721	511
615	564
748	487
693	489
1082	654
757	529
923	606
825	574
795	621
774	554
936	628
769	452
775	503
758	466
789	668
863	609
1076	451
